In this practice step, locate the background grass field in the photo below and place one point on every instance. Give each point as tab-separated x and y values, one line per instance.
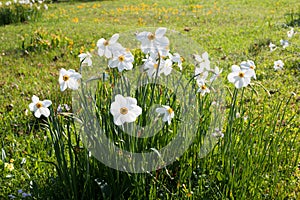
230	31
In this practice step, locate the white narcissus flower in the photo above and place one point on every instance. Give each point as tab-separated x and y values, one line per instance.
249	65
272	47
122	60
85	58
291	33
40	107
68	79
168	113
216	73
177	59
240	78
284	43
153	67
203	60
124	109
106	47
201	74
278	65
154	42
166	66
203	89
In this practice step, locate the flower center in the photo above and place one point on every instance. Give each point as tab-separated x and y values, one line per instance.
123	110
121	58
39	104
105	43
151	36
203	87
170	111
252	67
66	77
241	74
155	66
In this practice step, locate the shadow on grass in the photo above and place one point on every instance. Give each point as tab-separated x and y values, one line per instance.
293	18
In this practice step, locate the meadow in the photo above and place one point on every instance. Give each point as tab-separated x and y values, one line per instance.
255	157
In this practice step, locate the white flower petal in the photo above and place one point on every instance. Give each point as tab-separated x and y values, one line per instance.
118	120
63	86
35	99
136	110
160	32
161	110
45	111
121	100
239	83
37	113
129	117
32	106
235	68
115	108
114	38
73	84
46	103
231	77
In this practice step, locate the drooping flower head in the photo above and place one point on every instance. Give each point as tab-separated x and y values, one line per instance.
85	59
68	79
124	109
176	58
216	74
240	77
167	112
154	42
106	47
40	107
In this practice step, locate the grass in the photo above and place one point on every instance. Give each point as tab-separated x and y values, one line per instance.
257	158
